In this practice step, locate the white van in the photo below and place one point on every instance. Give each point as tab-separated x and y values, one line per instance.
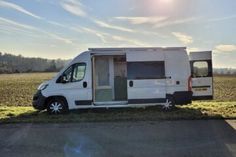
128	77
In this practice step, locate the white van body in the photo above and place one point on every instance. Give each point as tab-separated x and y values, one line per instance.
129	77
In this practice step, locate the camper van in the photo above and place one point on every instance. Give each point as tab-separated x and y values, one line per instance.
128	77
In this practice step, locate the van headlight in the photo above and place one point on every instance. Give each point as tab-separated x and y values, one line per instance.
42	86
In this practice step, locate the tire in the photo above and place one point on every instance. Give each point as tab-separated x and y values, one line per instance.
170	104
57	106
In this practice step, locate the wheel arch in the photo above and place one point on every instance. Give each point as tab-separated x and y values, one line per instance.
55	97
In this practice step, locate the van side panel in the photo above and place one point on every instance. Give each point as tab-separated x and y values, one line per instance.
142	86
177	71
177	75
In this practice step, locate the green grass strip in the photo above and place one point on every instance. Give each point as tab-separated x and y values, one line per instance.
197	110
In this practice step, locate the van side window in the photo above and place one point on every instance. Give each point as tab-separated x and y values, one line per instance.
74	73
146	70
67	74
200	69
78	72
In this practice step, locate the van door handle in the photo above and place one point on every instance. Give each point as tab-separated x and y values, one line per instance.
131	83
168	77
85	84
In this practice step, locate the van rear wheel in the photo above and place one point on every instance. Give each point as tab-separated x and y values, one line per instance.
57	106
169	104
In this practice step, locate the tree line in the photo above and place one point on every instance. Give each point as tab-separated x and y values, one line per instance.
225	71
10	63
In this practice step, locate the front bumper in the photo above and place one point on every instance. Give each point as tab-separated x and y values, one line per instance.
39	101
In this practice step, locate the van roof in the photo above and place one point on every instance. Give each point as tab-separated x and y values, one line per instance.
137	48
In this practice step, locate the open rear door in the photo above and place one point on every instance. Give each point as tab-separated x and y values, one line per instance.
201	72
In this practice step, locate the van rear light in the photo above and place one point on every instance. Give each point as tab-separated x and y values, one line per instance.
189	83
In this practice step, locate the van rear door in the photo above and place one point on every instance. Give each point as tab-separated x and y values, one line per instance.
201	72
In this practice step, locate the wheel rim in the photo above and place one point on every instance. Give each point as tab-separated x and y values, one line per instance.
167	105
55	107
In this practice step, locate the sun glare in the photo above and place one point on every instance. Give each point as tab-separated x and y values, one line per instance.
166	1
161	7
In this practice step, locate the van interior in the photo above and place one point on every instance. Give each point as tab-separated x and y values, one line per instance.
109	79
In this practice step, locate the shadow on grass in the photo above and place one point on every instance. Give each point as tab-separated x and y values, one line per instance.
112	114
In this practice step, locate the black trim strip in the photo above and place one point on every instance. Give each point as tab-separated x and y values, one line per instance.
201	86
143	101
83	102
182	97
207	97
143	78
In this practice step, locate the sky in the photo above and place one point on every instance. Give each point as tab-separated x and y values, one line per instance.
64	28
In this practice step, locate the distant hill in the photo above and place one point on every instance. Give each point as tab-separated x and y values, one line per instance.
18	64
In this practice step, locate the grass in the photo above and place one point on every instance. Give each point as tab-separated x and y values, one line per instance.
197	110
225	88
16	91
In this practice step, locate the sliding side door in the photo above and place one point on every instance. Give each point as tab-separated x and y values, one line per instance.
145	77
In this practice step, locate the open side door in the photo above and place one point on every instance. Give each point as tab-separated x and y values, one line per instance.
201	72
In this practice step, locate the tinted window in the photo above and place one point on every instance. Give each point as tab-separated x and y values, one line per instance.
146	70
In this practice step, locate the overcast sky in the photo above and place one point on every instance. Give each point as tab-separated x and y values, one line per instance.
64	28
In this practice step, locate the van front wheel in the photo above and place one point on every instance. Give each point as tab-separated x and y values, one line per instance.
57	106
